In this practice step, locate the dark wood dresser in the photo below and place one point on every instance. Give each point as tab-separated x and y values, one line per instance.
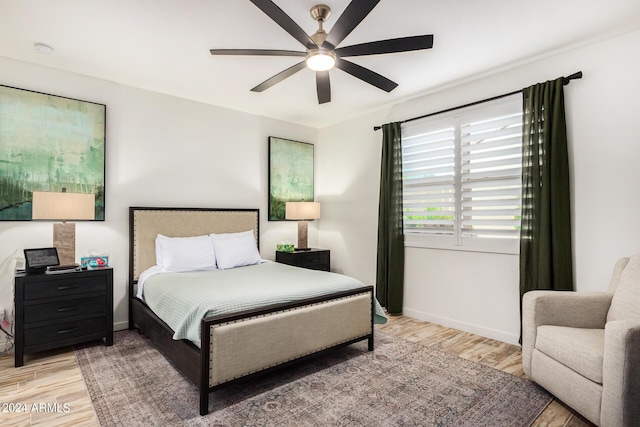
314	259
58	310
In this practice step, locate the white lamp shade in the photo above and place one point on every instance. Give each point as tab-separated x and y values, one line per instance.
302	211
62	206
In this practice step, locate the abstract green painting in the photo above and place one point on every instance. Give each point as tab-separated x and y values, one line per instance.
290	175
47	143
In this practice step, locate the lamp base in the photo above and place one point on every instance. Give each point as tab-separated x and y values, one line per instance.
64	240
303	227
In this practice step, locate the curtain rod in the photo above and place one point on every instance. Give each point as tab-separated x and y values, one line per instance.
565	81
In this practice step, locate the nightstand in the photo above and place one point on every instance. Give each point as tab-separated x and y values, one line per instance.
59	310
314	259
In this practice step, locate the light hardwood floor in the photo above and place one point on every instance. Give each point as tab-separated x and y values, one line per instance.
55	378
51	381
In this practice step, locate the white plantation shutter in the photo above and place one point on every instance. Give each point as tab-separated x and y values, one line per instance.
428	174
491	170
462	178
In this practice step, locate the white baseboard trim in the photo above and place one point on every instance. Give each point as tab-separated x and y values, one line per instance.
6	343
463	326
121	326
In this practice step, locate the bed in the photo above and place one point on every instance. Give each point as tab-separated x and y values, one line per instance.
238	345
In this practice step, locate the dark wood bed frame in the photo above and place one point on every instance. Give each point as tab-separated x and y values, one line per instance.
194	362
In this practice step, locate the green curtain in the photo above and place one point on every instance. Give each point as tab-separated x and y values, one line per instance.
545	241
390	270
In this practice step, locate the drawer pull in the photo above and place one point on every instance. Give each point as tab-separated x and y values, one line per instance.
66	331
64	288
66	309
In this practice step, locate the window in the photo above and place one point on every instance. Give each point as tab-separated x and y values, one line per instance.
462	178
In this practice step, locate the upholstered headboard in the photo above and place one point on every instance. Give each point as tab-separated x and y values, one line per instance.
146	223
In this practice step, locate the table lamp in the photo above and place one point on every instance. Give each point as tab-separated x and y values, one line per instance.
303	212
63	206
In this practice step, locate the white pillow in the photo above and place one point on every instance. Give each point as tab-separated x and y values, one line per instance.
235	249
176	254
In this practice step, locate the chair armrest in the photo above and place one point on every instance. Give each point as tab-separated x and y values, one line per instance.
560	308
621	374
570	309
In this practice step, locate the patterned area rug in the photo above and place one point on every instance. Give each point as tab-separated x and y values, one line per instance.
400	384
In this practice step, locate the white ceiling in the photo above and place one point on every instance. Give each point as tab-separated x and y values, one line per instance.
163	45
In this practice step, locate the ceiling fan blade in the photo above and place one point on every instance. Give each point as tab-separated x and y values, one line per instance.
282	19
323	85
350	18
256	52
279	77
366	75
402	44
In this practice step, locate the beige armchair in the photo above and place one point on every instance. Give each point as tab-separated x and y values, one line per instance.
584	347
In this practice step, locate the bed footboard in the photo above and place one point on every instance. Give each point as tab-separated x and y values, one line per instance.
253	343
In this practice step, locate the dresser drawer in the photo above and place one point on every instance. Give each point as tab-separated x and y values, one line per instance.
65	286
314	259
64	309
63	331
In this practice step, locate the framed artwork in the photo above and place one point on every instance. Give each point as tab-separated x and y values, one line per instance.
290	175
47	143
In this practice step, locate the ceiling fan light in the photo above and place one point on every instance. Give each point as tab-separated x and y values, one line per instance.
321	60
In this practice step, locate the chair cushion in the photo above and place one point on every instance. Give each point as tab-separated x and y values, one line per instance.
580	350
625	304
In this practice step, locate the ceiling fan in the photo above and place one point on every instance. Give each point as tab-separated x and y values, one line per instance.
322	54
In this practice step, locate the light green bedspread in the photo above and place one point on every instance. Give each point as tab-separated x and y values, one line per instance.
183	299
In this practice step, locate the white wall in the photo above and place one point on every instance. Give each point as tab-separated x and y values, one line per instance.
482	296
160	151
348	176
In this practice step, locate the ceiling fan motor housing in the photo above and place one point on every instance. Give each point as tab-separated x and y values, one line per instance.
320	13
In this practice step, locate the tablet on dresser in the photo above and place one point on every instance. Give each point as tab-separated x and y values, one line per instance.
37	260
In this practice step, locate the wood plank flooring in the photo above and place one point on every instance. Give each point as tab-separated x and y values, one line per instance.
47	391
54	377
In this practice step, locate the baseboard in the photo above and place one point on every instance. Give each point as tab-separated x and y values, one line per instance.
121	326
463	326
4	344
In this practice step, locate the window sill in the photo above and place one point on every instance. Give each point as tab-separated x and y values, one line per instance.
503	248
